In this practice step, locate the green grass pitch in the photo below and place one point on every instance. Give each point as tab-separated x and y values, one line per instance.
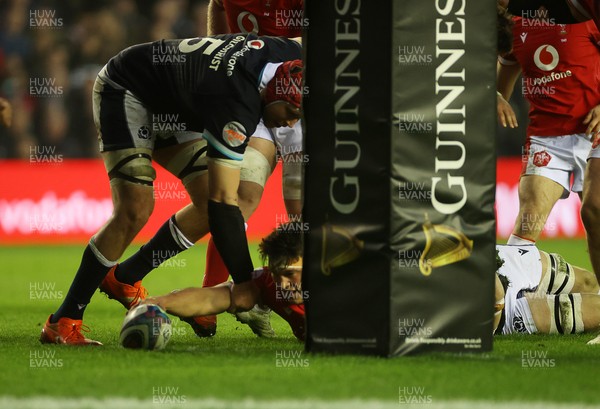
235	365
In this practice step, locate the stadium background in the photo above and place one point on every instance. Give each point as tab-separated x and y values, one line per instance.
50	53
54	191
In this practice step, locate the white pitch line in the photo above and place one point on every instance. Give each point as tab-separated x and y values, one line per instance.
181	402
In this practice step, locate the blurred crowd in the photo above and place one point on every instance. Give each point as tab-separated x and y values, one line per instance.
51	51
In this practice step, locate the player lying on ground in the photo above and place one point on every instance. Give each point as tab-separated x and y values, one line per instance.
530	277
537	292
219	88
278	283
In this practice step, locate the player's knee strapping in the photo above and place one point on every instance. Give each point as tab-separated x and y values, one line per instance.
134	167
190	162
565	314
559	277
255	167
292	180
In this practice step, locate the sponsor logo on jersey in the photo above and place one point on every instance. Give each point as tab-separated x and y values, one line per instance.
523	252
244	17
541	159
234	134
546	57
256	44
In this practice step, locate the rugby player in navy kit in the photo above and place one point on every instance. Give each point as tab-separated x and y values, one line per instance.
218	88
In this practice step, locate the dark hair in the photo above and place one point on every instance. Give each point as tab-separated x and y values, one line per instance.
503	279
281	248
504	25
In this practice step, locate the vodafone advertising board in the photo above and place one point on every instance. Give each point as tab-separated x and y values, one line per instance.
67	202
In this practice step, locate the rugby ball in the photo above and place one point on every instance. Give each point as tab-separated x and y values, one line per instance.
146	326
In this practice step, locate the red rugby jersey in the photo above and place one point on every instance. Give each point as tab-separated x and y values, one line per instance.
270	296
561	73
265	17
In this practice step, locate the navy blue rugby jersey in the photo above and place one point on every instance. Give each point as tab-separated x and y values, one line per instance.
209	81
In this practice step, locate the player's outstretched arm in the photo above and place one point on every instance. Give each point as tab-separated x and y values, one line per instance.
194	302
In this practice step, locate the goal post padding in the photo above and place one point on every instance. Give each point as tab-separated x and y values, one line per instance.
400	179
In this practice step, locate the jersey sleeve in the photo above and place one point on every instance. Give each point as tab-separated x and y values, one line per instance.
283	49
228	128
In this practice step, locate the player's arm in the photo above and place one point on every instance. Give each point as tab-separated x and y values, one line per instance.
217	18
507	75
194	302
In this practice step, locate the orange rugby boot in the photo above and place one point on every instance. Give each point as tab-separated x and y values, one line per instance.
128	295
204	327
66	331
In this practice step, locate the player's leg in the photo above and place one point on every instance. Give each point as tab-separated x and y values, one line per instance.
187	161
257	165
544	180
117	116
560	277
537	197
565	313
590	209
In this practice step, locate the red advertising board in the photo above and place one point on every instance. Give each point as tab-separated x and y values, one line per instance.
67	202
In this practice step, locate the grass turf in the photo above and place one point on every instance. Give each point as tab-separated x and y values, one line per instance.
235	364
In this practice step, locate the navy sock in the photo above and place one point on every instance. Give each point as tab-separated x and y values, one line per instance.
165	244
90	274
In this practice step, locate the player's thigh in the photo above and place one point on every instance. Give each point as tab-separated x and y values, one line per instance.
121	120
538	194
540	312
126	144
591	183
131	178
556	158
585	281
257	166
187	161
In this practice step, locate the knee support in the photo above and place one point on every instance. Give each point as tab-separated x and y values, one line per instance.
255	167
189	162
292	180
559	277
565	314
131	165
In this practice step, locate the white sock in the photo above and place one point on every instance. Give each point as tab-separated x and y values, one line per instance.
518	241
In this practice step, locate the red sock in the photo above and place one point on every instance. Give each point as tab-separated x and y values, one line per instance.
215	271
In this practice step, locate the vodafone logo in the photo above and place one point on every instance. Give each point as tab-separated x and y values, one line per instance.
546	57
247	23
256	44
